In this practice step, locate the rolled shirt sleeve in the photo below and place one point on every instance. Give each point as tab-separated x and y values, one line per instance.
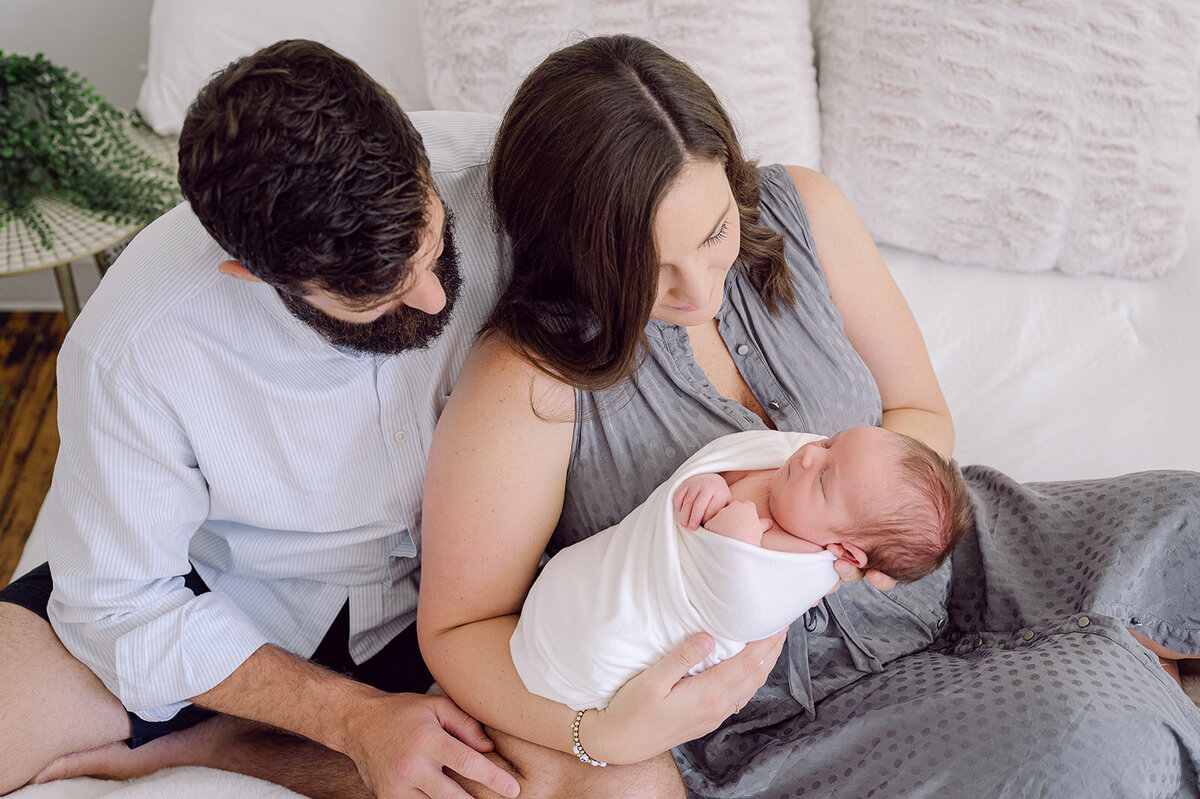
126	498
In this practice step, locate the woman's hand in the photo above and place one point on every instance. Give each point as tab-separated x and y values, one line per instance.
849	573
663	707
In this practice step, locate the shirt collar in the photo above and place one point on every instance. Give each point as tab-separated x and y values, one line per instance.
304	335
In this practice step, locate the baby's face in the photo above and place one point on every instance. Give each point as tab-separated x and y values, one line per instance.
829	484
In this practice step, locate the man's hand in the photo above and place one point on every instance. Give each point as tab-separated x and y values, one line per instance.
399	742
699	498
404	740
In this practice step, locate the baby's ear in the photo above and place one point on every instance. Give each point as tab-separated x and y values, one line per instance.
851	553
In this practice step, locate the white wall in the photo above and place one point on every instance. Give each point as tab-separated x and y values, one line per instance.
104	40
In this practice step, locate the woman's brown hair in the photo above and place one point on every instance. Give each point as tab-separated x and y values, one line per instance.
594	138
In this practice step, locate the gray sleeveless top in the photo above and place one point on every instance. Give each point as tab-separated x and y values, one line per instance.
808	378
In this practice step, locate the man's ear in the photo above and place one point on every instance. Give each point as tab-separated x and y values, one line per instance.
851	553
235	269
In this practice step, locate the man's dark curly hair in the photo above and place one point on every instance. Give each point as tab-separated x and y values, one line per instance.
307	171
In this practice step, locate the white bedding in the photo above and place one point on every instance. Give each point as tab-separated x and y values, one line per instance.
1048	377
176	783
1055	377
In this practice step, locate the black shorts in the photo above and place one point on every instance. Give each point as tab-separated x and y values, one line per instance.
397	668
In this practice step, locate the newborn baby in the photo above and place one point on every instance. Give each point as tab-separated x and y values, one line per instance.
777	510
863	490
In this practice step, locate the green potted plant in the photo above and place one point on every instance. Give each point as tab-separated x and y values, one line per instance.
59	136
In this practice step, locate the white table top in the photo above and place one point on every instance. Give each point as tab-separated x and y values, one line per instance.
77	233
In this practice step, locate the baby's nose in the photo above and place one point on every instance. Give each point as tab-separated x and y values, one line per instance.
809	455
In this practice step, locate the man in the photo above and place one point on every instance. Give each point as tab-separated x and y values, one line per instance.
245	408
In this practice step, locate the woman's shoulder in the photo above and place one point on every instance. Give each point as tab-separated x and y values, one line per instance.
789	183
809	182
819	195
497	374
806	191
792	199
827	210
809	206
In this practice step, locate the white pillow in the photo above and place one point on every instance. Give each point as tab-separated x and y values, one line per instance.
190	40
757	57
1021	136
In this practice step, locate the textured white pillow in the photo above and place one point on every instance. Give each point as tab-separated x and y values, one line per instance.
191	40
757	56
1017	135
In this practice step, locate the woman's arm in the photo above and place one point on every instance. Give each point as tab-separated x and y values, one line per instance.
493	493
877	320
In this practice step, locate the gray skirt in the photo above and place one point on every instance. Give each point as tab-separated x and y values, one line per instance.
1008	673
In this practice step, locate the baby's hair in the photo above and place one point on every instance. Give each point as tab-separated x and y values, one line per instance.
930	515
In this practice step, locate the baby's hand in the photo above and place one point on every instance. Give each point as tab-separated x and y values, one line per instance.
699	498
739	520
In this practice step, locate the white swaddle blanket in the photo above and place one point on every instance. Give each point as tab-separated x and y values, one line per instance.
606	608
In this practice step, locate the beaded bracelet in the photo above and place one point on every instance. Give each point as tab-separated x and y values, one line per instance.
583	756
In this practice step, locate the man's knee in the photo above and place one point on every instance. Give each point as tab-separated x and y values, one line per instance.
52	704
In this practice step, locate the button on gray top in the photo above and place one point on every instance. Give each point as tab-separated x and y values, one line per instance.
742	349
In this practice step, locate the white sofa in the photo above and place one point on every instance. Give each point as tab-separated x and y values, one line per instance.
1048	375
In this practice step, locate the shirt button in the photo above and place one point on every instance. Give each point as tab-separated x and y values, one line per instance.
401	436
1028	636
941	623
1084	621
742	349
773	405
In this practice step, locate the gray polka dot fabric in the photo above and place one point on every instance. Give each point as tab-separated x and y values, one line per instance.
1033	688
1009	672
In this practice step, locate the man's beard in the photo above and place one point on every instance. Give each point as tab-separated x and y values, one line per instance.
400	329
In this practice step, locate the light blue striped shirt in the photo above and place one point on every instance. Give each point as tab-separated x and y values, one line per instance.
200	421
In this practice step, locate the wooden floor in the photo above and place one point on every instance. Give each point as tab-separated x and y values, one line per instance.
29	345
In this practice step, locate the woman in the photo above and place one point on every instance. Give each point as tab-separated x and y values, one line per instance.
664	293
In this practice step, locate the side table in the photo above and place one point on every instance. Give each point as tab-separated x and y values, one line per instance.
77	233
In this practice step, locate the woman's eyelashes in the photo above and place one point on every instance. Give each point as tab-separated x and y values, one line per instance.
719	235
